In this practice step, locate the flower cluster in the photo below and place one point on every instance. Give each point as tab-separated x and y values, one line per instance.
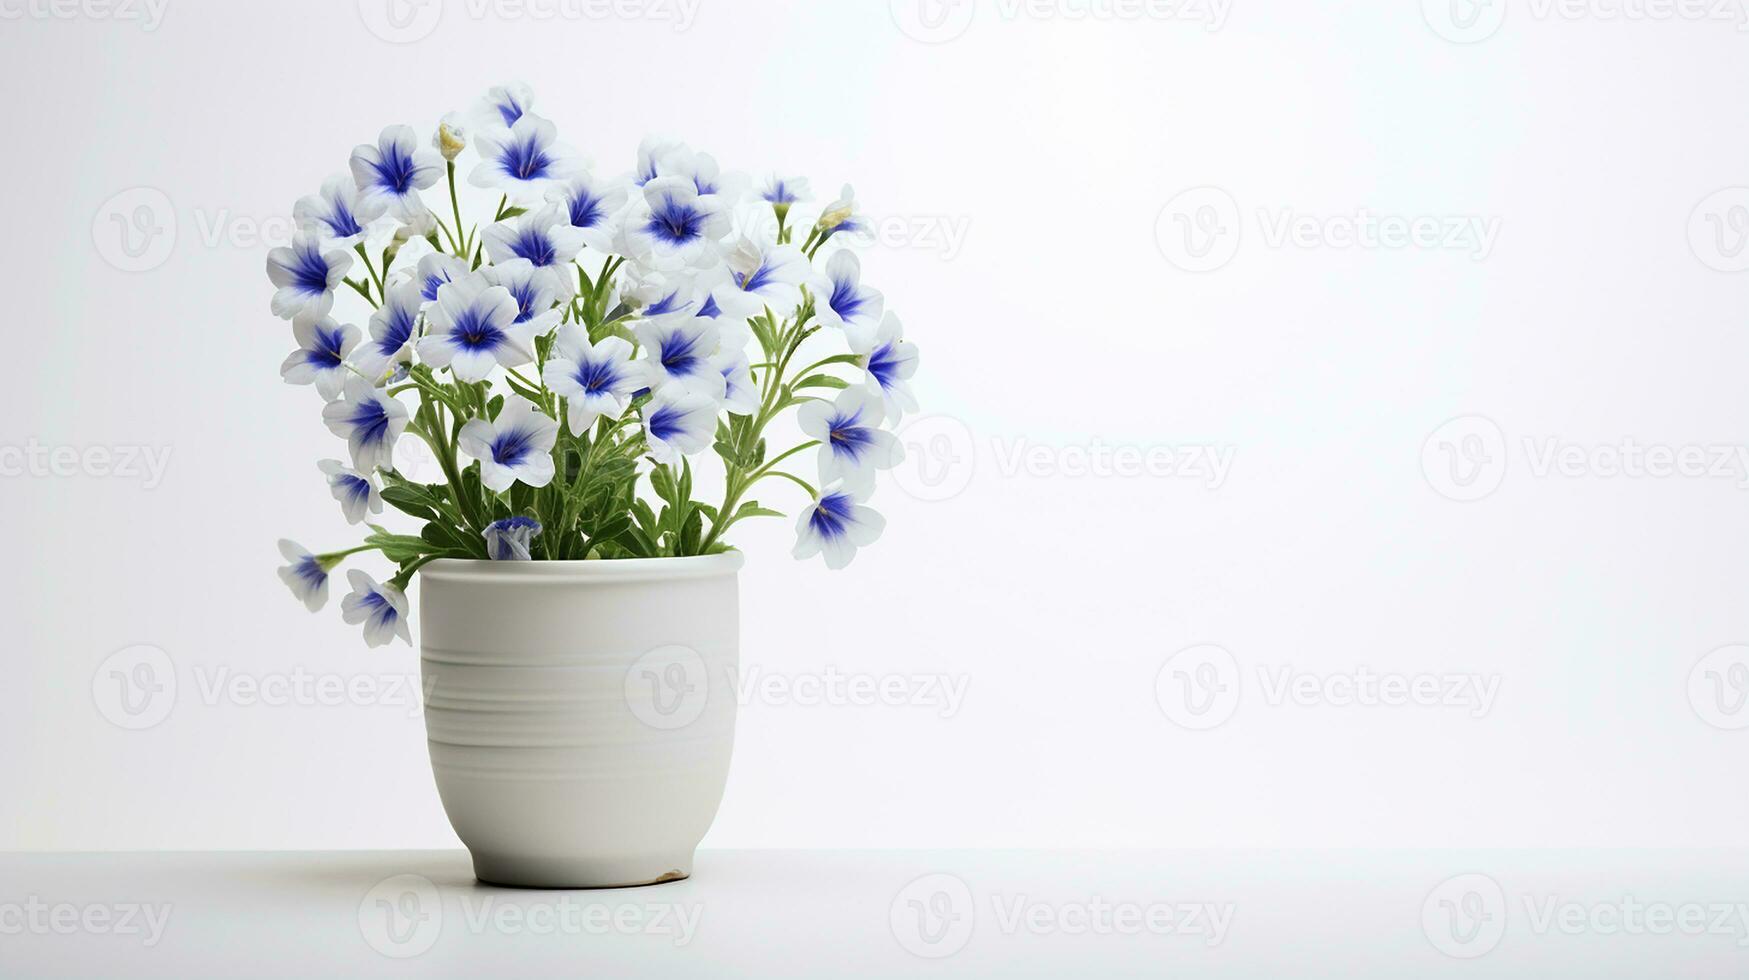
564	360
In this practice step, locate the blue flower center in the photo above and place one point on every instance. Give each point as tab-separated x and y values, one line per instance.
586	210
679	354
394	170
884	365
379	606
846	300
524	295
310	570
597	376
474	332
675	223
510	110
831	516
341	222
370	422
525	159
356	487
512	447
310	270
400	330
849	437
534	246
780	194
665	422
761	277
325	355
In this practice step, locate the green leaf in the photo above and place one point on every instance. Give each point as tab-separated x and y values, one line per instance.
821	381
398	548
409	502
752	509
532	394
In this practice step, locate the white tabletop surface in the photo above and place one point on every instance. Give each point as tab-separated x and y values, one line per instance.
888	914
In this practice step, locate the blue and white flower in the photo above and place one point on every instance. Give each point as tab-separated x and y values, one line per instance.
512	539
357	492
526	161
543	237
370	421
392	328
306	276
591	206
672	227
653	156
393	172
763	274
381	609
841	216
707	178
781	192
654	293
740	394
890	366
473	328
306	576
678	350
594	379
516	446
836	524
437	270
852	443
535	289
844	302
338	214
505	104
679	423
320	359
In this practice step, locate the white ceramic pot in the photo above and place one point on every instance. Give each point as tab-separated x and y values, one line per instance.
580	714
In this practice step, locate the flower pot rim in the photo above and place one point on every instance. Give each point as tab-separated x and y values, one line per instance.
586	569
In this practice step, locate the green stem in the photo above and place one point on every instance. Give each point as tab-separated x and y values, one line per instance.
786	455
333	558
455	209
451	474
371	268
813	494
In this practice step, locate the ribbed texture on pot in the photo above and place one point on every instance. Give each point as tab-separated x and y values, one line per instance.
580	715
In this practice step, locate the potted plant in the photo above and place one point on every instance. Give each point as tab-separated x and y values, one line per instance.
563	363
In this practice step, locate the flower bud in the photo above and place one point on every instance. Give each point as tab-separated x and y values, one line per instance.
451	137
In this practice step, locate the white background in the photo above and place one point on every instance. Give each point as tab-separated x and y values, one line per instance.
1055	148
